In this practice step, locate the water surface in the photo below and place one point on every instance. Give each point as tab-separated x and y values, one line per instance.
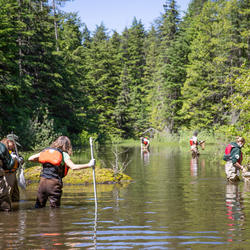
174	202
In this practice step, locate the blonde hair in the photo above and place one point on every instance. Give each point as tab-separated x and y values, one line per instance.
63	143
240	139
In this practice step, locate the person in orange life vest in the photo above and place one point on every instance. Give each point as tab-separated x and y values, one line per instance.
11	174
144	143
54	169
233	158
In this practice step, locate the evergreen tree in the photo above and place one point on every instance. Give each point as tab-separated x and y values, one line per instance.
103	77
133	57
168	84
151	45
9	71
121	113
214	60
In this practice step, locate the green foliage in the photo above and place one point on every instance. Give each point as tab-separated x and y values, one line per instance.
56	77
84	137
41	132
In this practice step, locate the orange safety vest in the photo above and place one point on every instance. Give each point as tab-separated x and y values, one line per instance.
53	157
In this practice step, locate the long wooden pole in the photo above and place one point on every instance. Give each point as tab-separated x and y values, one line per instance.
92	157
95	223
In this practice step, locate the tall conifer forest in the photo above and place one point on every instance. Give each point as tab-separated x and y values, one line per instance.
59	78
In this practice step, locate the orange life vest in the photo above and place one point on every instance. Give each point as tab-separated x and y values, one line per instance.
53	157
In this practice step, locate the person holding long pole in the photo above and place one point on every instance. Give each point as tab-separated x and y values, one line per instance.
56	162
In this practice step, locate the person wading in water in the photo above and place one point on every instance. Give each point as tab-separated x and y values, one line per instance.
56	162
233	157
145	144
11	174
194	144
6	163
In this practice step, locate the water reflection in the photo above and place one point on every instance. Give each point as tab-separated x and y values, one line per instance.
193	166
163	208
145	156
235	215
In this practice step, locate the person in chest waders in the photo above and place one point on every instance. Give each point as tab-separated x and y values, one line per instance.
233	157
6	163
145	144
194	145
56	162
11	174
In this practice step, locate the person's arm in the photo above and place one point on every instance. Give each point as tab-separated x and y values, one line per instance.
34	158
18	158
74	166
235	153
237	164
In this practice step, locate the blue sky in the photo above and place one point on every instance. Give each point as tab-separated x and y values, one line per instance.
118	14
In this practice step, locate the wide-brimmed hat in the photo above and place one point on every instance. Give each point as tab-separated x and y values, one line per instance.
14	138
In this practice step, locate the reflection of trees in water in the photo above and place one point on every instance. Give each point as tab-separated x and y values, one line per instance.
235	215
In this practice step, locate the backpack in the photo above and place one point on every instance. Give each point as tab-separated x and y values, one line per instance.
227	155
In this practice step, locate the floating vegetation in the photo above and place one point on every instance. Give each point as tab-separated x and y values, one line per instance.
103	176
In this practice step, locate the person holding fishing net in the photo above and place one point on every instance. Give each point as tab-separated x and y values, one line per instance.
194	143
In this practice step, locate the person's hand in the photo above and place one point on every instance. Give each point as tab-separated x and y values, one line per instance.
244	169
14	157
21	160
91	163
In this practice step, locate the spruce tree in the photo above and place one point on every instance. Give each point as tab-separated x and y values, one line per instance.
133	57
103	77
168	79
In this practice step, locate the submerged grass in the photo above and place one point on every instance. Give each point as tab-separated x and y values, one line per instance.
103	176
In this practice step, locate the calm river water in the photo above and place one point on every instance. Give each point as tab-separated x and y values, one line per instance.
174	202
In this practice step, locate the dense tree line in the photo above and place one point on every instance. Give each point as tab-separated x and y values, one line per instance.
57	77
